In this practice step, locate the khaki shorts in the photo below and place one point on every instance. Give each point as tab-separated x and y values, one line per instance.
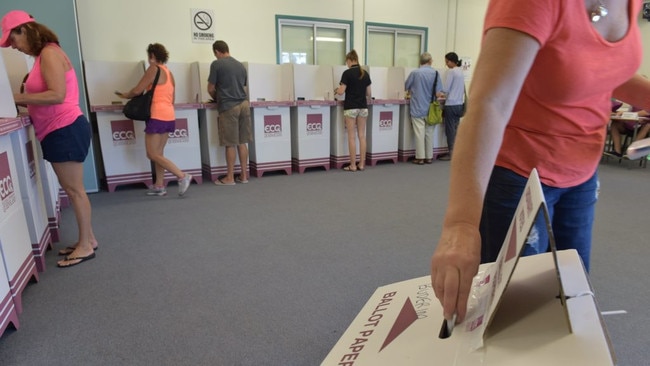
354	113
235	125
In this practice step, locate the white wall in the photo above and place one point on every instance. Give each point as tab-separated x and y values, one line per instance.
120	30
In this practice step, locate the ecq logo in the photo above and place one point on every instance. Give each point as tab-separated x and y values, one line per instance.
7	194
31	162
181	133
314	124
273	126
123	132
386	120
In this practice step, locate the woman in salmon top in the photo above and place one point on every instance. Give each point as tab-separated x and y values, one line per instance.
52	99
532	106
162	121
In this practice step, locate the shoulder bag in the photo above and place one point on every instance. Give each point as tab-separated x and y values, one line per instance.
139	107
435	109
464	102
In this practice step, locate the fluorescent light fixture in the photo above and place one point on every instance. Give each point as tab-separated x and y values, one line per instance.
327	39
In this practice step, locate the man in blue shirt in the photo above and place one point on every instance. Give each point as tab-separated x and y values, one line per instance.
420	84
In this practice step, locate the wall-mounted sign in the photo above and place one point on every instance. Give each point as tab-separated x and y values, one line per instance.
202	25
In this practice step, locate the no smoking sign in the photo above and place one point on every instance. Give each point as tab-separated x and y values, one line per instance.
202	25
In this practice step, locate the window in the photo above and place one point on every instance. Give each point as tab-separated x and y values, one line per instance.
312	41
391	45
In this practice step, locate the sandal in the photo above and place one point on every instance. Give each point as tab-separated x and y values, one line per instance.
418	161
349	169
70	249
428	161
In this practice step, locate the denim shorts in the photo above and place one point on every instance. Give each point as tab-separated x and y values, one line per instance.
69	143
354	113
571	212
158	126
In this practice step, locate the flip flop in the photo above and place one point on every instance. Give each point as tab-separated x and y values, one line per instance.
81	260
239	180
348	169
220	182
69	250
360	168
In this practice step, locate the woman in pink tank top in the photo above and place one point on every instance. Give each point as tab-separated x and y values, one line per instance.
52	99
162	120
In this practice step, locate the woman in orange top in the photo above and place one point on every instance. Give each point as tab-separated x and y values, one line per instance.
162	120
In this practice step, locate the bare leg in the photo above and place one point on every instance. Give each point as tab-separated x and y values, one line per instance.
642	132
155	145
70	175
361	131
243	159
616	129
231	155
350	124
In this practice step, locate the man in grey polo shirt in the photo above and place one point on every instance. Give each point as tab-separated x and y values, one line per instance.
227	86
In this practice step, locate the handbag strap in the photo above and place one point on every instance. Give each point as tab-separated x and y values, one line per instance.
155	80
433	92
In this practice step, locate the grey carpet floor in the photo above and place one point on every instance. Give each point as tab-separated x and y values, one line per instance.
273	272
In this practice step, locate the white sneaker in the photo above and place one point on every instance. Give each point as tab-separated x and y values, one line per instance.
184	184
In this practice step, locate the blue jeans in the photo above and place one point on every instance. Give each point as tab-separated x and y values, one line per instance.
571	211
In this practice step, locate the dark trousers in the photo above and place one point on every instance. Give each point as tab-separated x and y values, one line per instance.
452	114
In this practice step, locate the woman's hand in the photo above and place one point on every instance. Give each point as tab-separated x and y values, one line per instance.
453	266
19	99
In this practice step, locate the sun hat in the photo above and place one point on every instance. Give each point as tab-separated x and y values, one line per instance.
10	21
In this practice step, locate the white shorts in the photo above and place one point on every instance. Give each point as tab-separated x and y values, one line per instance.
354	113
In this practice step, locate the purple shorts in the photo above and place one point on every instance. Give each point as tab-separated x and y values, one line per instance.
158	126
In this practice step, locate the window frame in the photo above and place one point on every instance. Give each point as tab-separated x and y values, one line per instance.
396	29
315	23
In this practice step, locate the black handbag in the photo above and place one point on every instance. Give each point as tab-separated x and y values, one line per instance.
139	107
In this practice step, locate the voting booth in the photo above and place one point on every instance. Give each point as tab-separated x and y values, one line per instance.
50	184
382	129
183	146
270	89
121	139
8	313
339	150
535	310
24	144
15	244
406	138
24	147
310	117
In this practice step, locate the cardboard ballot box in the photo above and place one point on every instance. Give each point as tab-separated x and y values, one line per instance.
401	322
536	310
